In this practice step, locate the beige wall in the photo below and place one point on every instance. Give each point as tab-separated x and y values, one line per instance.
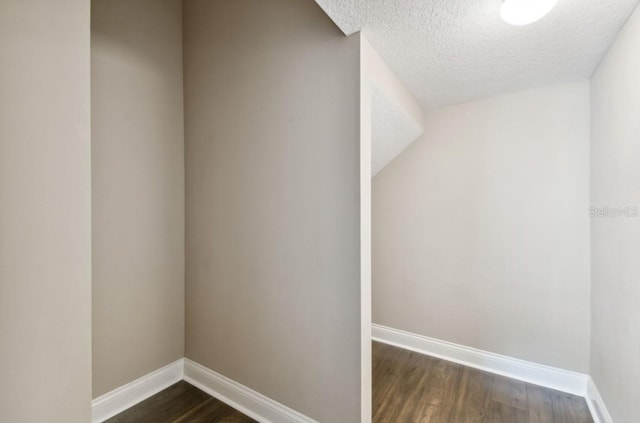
138	189
615	242
45	212
272	159
481	230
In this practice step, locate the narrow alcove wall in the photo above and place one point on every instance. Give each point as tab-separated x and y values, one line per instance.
272	198
138	189
615	241
273	185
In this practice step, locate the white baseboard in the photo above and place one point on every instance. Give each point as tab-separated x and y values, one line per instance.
596	404
246	400
538	374
108	405
266	410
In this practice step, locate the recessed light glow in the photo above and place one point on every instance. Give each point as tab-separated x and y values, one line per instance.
524	12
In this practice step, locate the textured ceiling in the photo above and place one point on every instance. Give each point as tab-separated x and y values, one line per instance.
453	51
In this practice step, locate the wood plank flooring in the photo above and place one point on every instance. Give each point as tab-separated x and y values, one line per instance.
181	403
407	388
412	388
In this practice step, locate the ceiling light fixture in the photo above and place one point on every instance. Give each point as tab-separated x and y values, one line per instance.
524	12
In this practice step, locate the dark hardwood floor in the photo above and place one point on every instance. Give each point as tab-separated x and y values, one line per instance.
409	388
181	403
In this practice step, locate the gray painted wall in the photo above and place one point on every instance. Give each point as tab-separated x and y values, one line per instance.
481	229
272	159
45	212
615	241
138	189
